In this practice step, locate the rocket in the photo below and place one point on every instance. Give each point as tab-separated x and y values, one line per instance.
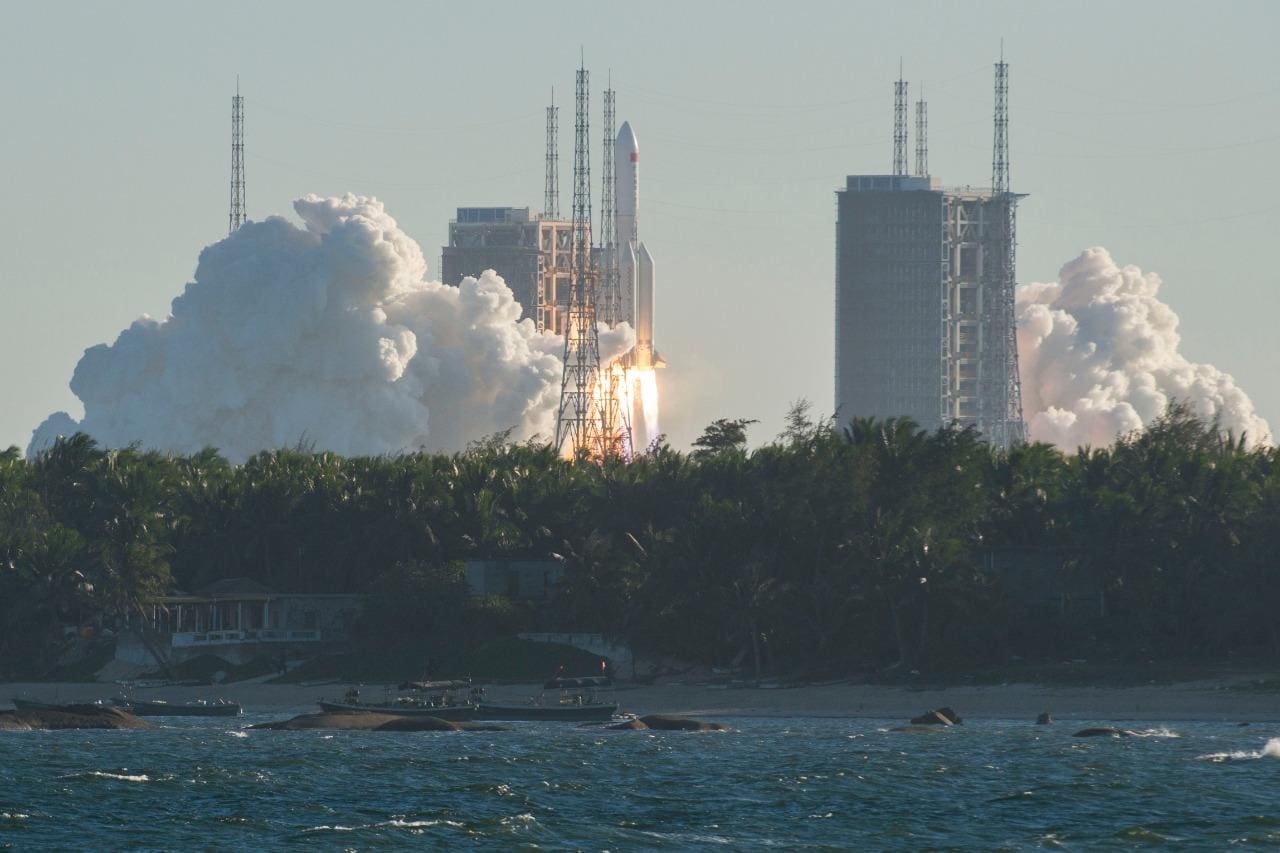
635	261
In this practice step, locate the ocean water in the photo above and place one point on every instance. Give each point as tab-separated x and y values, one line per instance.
795	783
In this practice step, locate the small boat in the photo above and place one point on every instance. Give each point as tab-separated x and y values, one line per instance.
195	708
576	702
453	713
442	706
563	713
33	705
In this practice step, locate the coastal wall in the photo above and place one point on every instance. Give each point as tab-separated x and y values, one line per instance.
618	654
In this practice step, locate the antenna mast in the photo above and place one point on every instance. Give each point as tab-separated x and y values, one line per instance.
900	124
922	136
236	218
551	203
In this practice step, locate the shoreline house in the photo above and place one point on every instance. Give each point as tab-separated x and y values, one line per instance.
237	619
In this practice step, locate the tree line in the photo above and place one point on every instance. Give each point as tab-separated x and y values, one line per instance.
869	545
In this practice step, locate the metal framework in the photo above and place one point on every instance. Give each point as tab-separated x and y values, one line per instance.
610	274
551	200
1000	145
1001	416
587	417
236	217
922	137
900	127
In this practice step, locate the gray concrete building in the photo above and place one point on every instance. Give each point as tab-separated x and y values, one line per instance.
533	255
924	311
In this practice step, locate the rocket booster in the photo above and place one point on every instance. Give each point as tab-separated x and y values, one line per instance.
645	354
635	261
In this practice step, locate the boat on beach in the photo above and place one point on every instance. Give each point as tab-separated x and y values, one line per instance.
152	708
562	699
441	704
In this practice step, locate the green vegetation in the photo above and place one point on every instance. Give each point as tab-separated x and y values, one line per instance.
873	548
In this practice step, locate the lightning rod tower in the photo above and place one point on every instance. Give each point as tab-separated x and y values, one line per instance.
582	420
900	125
236	217
922	136
1004	425
551	202
610	275
1000	145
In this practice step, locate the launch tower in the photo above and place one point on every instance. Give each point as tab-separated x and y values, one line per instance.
924	293
588	422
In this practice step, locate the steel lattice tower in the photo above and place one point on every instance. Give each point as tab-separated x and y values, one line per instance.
583	419
922	136
551	202
236	218
900	127
1002	409
610	276
1000	145
617	418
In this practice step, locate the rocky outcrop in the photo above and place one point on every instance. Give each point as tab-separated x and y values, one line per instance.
669	723
1044	719
937	717
369	722
71	717
1104	731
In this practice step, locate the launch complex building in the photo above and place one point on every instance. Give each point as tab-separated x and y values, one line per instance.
925	282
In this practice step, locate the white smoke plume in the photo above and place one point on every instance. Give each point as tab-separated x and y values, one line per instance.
1099	357
330	334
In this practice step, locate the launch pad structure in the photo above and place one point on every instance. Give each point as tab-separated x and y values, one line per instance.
574	281
925	280
588	422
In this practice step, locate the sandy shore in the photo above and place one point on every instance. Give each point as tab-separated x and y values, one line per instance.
1202	701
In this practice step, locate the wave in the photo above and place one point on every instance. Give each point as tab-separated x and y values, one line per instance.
122	777
400	823
1160	732
1270	750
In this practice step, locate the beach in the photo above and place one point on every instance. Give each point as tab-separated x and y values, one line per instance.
1226	700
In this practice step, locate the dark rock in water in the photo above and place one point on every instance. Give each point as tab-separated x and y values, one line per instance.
370	722
927	729
435	724
71	717
1044	719
937	717
1242	725
1104	731
668	723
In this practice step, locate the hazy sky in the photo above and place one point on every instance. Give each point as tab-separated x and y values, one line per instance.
1149	128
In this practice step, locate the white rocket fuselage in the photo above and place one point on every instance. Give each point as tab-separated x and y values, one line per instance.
635	262
626	170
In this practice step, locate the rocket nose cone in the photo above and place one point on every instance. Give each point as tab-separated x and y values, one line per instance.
627	138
